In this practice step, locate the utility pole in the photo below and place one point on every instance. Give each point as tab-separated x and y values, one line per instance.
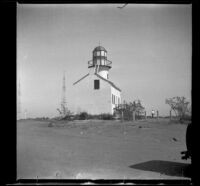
157	114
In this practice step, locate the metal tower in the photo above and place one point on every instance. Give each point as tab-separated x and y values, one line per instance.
63	101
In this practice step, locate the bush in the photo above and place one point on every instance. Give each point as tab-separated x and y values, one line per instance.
95	116
187	118
83	116
128	108
68	117
106	116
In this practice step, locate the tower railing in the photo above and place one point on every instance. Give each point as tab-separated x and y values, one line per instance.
107	63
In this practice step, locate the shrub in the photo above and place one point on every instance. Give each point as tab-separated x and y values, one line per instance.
187	118
180	106
83	116
68	117
128	108
106	116
95	116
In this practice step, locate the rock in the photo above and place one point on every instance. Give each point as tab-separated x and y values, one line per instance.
174	139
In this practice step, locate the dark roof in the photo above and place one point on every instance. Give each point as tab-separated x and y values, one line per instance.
111	83
99	48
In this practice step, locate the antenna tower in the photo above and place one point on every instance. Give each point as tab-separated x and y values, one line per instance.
63	101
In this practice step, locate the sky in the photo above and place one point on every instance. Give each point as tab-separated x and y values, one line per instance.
149	46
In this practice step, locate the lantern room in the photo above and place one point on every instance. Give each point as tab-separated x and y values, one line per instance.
99	58
99	62
99	55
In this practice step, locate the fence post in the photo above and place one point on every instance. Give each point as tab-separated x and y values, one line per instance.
157	114
133	116
122	119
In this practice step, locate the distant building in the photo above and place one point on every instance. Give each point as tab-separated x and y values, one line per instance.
94	92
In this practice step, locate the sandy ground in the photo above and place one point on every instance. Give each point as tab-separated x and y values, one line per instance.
101	150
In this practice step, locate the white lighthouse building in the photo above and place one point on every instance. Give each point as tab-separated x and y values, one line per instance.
95	93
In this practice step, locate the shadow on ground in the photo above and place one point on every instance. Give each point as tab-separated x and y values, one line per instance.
165	167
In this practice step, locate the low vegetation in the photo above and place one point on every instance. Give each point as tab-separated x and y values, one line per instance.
180	107
125	110
86	116
135	111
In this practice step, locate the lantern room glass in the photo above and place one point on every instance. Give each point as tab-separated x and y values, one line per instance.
98	61
102	61
98	53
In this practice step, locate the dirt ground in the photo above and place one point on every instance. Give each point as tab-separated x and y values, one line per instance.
101	150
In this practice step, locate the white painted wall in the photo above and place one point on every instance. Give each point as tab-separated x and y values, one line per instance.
86	98
117	95
103	71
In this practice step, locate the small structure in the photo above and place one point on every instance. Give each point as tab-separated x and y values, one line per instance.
157	114
94	93
130	111
152	113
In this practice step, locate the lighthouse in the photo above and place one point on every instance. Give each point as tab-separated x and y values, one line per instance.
99	63
95	93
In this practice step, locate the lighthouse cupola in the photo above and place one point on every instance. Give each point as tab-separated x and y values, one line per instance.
99	62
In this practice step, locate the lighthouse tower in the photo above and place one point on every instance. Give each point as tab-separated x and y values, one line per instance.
94	93
99	63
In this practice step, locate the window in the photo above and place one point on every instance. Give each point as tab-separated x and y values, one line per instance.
112	99
96	84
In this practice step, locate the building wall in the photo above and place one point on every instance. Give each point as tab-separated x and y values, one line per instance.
115	98
90	100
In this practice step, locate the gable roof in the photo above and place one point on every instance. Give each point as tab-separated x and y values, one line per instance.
110	82
81	79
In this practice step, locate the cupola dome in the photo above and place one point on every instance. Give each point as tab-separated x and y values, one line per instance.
99	48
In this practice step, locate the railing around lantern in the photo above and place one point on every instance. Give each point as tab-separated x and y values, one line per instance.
106	63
